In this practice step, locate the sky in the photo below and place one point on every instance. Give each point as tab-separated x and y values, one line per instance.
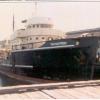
67	16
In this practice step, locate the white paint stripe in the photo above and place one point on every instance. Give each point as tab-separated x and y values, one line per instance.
7	65
45	48
23	66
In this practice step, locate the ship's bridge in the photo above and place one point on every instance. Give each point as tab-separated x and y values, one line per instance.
39	22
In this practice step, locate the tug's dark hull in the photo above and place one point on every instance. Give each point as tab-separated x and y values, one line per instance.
59	58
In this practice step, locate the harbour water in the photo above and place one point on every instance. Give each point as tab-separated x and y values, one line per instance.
6	81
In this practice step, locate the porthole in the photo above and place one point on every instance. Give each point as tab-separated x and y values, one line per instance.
50	38
37	26
33	26
30	38
37	38
43	38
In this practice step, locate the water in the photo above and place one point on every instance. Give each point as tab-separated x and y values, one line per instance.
6	81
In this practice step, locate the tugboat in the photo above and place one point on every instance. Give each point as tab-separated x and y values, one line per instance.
43	50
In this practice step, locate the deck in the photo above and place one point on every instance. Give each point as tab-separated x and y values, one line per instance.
62	90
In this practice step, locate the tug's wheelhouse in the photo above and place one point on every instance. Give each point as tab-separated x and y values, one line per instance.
38	30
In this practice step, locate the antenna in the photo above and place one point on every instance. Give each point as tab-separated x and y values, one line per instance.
13	22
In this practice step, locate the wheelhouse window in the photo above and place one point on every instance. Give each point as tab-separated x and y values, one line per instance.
29	26
25	46
45	26
37	25
30	38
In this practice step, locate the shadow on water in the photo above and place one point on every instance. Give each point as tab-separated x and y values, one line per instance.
6	81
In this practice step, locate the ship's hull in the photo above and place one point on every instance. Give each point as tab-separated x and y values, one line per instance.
63	59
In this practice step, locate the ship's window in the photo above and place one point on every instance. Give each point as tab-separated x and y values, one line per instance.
50	38
36	38
29	26
45	26
24	46
30	38
37	26
43	38
98	55
33	26
92	34
42	25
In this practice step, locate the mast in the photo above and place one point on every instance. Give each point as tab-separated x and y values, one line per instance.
13	22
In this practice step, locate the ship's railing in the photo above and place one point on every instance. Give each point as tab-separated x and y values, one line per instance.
32	45
28	45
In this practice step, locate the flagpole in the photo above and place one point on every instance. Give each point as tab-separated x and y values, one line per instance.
13	23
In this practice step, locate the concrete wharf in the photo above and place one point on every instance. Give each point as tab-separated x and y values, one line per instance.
60	90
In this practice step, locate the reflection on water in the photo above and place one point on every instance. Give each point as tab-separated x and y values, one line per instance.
6	81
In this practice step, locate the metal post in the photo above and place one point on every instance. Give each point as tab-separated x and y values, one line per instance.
92	72
13	63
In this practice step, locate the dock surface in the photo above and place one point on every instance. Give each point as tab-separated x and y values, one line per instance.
62	90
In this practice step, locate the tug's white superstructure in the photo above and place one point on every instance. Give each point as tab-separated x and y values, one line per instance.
38	29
